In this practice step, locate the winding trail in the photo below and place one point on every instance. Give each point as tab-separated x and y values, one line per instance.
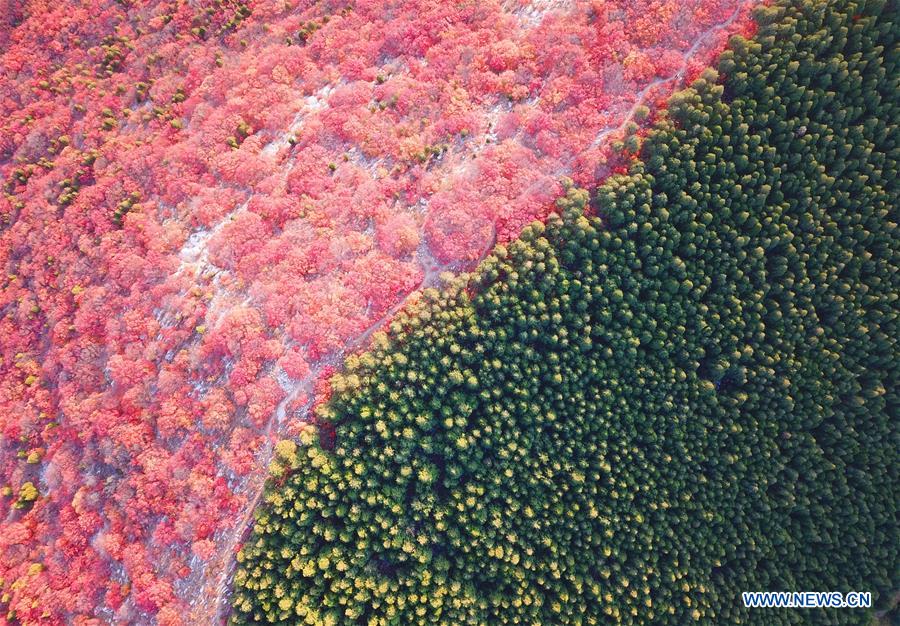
219	587
677	77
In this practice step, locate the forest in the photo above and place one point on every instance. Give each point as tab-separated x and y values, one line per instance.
680	387
396	312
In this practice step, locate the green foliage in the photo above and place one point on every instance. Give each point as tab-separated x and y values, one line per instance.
28	493
285	458
306	31
640	415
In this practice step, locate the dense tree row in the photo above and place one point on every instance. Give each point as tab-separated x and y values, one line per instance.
631	418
